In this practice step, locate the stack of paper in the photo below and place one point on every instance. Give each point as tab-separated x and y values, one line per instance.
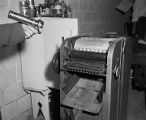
93	44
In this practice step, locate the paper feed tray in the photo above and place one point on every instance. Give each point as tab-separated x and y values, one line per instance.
93	44
85	95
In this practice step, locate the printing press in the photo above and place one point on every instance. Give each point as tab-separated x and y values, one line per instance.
94	74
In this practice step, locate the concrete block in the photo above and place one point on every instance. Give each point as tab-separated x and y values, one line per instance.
3	3
14	5
9	111
24	103
84	5
24	115
13	92
75	5
8	76
1	98
9	56
4	15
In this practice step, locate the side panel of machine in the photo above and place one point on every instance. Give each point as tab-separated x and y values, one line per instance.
110	99
114	89
125	75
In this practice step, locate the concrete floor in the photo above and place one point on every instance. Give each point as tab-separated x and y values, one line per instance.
136	105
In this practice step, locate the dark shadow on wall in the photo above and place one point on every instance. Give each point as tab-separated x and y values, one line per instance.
52	70
52	74
54	77
7	52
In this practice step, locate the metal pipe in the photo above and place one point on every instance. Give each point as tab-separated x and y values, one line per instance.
26	20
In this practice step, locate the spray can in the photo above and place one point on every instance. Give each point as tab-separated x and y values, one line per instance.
24	10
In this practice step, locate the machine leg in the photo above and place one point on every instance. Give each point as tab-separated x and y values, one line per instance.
77	113
40	101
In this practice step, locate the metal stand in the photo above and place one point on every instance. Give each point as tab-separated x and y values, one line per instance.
41	101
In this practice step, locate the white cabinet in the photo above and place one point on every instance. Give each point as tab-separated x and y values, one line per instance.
36	57
38	51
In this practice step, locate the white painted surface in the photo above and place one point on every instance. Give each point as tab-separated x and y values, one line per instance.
38	51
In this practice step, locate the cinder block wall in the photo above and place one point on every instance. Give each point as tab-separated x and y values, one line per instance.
15	103
95	17
98	16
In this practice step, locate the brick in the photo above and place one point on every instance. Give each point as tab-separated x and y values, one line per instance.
88	16
18	72
11	112
24	103
13	92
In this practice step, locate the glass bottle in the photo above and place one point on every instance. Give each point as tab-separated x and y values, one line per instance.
69	11
63	8
58	8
